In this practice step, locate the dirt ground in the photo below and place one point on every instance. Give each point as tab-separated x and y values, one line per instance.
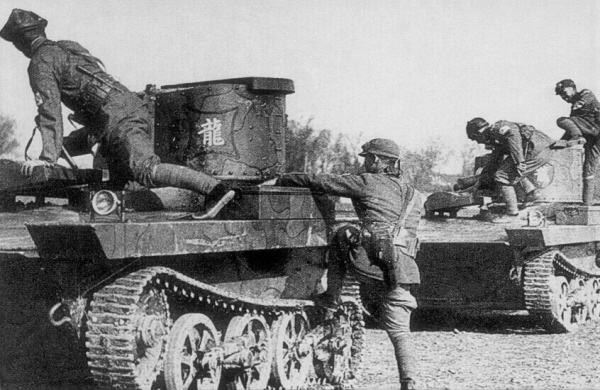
499	351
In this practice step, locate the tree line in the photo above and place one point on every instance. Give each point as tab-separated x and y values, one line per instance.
313	150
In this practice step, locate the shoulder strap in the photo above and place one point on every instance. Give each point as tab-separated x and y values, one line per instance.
409	203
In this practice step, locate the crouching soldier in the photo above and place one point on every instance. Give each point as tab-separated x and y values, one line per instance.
582	127
527	148
389	211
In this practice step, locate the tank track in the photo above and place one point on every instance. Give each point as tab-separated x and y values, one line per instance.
540	297
351	296
115	317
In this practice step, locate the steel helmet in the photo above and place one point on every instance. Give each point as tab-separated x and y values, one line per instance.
564	84
381	147
476	125
21	21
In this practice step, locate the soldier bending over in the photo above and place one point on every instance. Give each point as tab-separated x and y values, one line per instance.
528	149
389	211
116	118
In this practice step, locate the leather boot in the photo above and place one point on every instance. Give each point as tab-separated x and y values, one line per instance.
588	191
170	175
512	207
407	384
527	185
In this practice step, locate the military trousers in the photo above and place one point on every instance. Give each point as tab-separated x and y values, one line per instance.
507	173
396	308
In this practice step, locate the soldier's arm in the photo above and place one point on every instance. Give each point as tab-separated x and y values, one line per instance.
350	186
49	120
585	105
514	143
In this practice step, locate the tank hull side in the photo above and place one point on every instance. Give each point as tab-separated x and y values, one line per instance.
467	276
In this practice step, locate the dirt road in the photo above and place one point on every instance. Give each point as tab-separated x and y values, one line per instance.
488	352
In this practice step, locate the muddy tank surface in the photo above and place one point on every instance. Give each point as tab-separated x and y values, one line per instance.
105	285
545	263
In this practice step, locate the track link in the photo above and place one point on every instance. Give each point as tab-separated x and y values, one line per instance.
129	321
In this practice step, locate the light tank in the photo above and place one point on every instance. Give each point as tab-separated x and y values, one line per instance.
546	262
107	285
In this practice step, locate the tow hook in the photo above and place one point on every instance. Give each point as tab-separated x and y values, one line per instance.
63	320
75	311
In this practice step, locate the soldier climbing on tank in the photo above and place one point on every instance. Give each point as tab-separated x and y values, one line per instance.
389	211
115	118
528	149
581	127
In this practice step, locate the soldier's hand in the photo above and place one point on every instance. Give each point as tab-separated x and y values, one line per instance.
27	166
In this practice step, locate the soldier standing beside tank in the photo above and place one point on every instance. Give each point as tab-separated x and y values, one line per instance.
528	149
582	127
389	211
116	119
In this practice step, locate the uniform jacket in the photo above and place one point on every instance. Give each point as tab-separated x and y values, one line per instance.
522	142
54	78
585	104
377	199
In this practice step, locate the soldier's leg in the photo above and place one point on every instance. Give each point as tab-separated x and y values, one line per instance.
505	178
532	165
343	245
572	130
131	143
397	307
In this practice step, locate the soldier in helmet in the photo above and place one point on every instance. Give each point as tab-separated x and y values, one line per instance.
527	149
116	119
583	127
389	211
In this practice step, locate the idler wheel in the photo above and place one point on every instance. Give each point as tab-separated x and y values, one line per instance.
292	360
189	363
253	335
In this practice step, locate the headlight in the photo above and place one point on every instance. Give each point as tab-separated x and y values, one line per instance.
104	202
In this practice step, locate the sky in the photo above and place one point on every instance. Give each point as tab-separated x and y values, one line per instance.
412	71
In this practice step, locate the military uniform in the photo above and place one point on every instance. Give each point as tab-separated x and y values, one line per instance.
66	72
528	149
390	212
583	118
115	117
